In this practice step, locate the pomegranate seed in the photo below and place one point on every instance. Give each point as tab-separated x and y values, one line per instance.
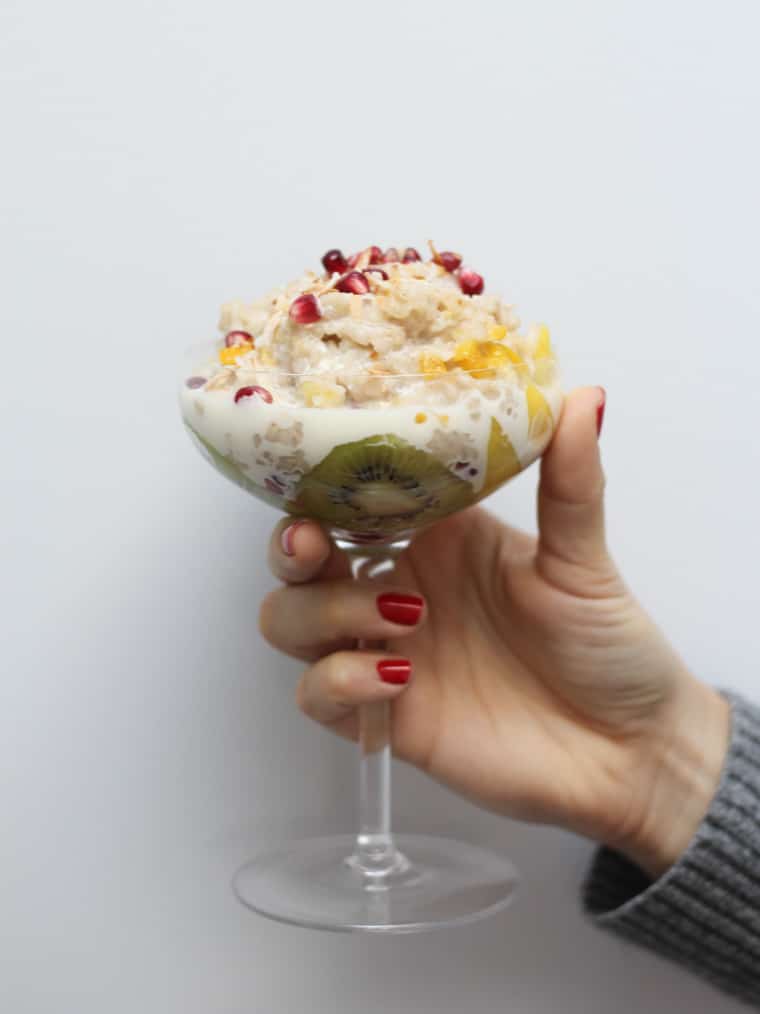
248	392
354	282
263	394
333	261
410	255
470	282
375	255
238	338
391	255
353	259
305	309
274	485
195	382
377	271
448	260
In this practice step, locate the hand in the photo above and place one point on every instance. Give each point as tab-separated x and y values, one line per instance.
539	687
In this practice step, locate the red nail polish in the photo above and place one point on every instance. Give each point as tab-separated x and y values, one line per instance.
287	537
600	411
403	609
394	670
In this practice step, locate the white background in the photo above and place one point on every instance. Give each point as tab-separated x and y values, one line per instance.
599	163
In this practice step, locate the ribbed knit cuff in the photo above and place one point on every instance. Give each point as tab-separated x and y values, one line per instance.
704	912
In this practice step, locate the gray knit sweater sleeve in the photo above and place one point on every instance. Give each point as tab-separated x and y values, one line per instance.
705	911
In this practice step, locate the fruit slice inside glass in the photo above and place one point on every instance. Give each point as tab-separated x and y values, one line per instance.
374	459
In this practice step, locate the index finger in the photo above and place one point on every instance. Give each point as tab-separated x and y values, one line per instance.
300	550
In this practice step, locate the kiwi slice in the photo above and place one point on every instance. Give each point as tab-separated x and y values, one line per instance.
380	484
230	470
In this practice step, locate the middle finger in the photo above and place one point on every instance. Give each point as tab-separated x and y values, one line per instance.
306	620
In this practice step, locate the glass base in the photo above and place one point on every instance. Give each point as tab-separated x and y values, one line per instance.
314	883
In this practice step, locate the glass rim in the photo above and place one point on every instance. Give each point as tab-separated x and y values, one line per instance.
503	367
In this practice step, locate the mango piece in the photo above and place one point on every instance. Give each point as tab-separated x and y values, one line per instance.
229	356
502	463
497	332
495	354
319	395
540	420
466	355
432	365
483	357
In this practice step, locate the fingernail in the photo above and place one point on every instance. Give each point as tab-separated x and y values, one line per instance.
403	609
394	670
287	537
600	411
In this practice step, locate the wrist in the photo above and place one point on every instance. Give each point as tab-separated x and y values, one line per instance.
682	766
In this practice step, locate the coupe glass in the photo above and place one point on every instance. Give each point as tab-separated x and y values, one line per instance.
373	476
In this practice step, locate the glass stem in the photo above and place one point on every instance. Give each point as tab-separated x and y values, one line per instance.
375	854
374	842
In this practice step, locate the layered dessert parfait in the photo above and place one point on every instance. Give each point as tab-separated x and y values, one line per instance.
377	395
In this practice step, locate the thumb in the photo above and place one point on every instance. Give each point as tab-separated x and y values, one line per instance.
571	491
